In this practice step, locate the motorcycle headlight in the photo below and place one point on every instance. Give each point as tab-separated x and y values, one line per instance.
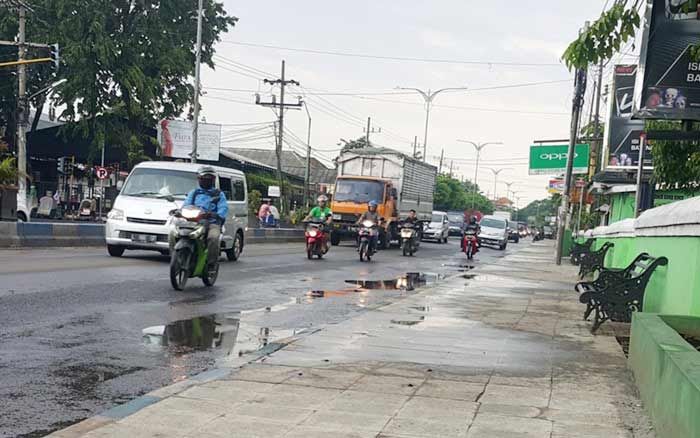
336	217
313	233
406	233
116	214
197	233
367	224
190	213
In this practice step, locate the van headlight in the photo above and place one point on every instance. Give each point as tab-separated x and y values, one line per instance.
116	214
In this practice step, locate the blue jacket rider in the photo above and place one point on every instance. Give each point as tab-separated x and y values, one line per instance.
213	201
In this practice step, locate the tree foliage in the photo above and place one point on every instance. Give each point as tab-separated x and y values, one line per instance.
676	163
131	59
359	143
452	194
539	209
604	37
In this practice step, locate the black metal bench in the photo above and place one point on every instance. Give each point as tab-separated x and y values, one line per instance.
594	260
579	249
616	293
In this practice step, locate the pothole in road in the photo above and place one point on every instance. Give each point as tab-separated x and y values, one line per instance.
226	333
469	276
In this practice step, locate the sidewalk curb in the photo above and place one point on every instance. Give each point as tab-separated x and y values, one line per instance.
133	406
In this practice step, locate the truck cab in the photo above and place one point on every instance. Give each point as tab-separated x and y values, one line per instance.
350	199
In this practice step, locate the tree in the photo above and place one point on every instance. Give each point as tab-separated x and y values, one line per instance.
130	59
452	194
359	143
539	209
676	163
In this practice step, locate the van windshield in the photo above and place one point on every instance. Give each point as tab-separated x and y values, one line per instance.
159	182
358	191
493	223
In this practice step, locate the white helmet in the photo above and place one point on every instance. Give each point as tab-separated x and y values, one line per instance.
322	198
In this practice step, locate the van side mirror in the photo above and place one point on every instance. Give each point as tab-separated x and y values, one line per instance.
394	193
120	184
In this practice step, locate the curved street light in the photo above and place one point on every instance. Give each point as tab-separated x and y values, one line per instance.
478	147
428	96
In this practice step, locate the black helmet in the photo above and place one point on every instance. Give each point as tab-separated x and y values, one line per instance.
472	220
206	177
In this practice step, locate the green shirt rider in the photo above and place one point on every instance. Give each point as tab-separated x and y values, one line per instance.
321	213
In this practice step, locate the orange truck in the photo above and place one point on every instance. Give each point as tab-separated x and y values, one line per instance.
397	182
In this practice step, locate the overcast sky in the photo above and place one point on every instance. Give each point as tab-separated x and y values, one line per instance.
497	32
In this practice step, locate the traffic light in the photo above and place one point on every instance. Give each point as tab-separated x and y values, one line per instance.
55	55
61	165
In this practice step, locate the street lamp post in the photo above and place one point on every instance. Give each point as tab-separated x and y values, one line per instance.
428	96
508	191
495	181
478	147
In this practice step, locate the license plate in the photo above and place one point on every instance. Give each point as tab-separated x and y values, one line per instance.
147	238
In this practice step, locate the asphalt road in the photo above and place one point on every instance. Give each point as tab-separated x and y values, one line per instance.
82	331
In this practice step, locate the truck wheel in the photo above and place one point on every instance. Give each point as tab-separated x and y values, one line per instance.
335	239
115	251
502	246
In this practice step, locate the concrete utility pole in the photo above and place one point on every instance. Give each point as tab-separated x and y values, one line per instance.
451	163
307	172
23	107
442	156
197	84
428	96
370	130
596	132
281	106
579	93
415	145
478	147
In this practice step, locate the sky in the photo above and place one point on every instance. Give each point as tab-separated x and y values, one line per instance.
506	53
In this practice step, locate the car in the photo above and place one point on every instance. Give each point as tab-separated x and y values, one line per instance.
438	228
456	222
140	217
513	234
494	232
548	232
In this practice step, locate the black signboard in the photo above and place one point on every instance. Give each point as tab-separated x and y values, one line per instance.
668	86
621	131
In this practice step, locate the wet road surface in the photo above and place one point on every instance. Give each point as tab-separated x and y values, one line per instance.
82	332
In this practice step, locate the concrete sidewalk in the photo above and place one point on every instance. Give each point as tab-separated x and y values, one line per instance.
498	351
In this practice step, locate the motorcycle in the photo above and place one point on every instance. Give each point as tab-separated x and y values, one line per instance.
470	245
189	255
367	233
409	242
315	239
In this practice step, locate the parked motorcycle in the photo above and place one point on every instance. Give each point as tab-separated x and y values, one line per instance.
189	256
409	239
367	233
470	244
315	239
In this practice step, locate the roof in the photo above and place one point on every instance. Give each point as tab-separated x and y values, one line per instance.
182	166
385	151
292	163
245	160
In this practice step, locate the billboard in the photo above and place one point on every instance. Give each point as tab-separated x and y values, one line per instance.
621	141
551	160
175	139
668	84
556	185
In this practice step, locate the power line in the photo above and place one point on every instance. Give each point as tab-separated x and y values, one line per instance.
395	58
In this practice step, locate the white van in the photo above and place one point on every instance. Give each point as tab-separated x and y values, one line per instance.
140	217
439	227
494	231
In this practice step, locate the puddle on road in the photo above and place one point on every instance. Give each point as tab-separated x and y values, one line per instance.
408	282
223	332
408	322
462	267
468	276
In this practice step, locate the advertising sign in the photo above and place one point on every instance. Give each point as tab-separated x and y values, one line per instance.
668	86
175	139
273	191
556	185
551	160
621	131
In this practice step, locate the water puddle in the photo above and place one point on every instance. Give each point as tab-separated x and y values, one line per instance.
462	267
468	276
225	333
407	282
408	322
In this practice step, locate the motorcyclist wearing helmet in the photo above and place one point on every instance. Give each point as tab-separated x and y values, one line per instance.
472	228
370	215
213	202
321	213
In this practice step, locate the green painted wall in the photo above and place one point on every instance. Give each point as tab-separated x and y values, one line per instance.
621	207
666	371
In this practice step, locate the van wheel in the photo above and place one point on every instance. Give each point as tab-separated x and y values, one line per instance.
235	252
335	239
115	251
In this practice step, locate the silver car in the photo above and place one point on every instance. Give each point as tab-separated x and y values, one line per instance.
438	229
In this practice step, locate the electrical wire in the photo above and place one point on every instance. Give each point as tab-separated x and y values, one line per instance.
396	58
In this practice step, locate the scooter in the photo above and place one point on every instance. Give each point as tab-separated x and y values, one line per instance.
367	233
409	242
315	239
470	244
189	256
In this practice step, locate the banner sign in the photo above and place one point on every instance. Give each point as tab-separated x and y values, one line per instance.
551	160
668	86
621	141
556	185
175	139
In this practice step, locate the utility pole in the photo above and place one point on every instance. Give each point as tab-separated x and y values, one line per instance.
579	93
596	133
415	145
197	84
451	162
428	96
307	172
478	147
281	106
22	106
442	155
370	130
640	170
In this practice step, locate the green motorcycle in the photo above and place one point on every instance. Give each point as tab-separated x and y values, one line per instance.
189	256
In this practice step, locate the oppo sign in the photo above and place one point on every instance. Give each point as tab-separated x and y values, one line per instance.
551	160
